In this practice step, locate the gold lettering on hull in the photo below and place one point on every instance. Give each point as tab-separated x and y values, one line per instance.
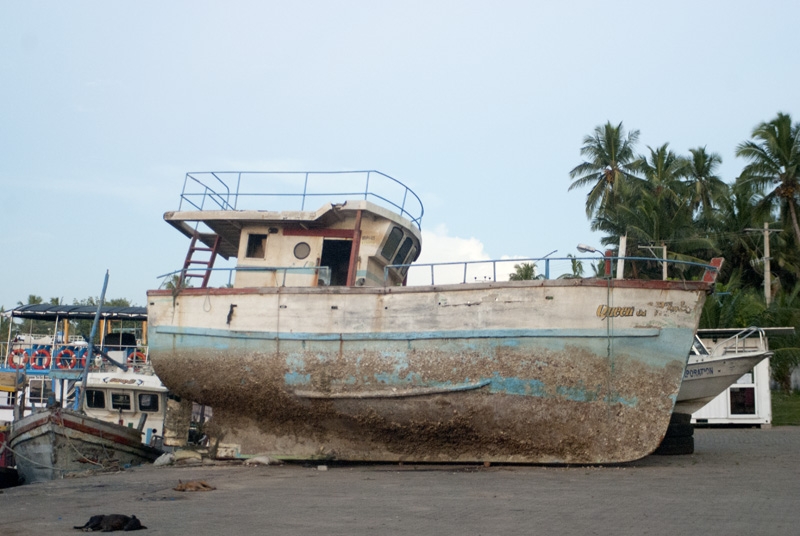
604	311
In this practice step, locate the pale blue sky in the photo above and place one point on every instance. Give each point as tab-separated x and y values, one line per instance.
480	107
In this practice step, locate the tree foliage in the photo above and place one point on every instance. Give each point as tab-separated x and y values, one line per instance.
665	199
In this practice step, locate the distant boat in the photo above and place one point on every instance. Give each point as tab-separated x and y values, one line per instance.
709	372
316	347
54	442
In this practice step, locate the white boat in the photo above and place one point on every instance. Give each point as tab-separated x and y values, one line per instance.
710	371
315	346
121	420
52	364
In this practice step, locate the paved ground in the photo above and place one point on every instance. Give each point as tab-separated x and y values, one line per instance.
739	481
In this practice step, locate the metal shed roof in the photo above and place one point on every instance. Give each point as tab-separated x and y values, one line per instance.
77	312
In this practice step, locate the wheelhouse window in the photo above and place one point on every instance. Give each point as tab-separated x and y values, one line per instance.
121	401
392	241
256	246
402	253
95	398
148	402
40	390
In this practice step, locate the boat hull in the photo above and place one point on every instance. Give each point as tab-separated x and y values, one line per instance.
54	442
705	380
569	371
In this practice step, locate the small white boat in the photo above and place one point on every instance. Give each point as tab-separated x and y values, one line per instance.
710	371
119	421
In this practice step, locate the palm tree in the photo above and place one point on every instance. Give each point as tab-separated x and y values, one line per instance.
577	268
523	272
609	153
774	155
662	172
705	186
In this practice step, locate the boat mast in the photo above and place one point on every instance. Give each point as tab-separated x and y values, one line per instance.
90	350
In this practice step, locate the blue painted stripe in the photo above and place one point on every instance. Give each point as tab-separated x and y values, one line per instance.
599	333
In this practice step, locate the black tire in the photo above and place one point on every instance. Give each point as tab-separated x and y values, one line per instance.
680	418
680	430
674	446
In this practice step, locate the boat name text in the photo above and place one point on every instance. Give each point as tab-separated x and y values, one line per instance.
604	311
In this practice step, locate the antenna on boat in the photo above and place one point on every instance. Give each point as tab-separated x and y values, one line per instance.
90	349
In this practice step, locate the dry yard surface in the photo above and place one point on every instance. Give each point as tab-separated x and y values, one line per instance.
739	481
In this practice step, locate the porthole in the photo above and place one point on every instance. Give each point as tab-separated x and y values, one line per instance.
301	250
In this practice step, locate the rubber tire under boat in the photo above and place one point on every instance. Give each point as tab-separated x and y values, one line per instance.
679	438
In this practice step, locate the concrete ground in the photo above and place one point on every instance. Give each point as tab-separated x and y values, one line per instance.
739	481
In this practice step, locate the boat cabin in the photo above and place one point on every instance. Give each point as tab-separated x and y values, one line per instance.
356	242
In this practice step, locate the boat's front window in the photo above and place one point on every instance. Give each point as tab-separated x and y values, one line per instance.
395	235
400	258
148	402
95	398
120	401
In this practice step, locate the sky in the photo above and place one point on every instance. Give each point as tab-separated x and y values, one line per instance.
479	107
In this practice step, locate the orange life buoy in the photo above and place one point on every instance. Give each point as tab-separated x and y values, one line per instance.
41	352
66	359
137	358
83	353
11	358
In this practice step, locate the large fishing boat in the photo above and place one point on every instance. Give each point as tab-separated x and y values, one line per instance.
316	346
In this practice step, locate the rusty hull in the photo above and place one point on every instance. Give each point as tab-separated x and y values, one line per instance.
524	372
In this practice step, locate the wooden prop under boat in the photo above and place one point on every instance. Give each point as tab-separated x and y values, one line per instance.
318	350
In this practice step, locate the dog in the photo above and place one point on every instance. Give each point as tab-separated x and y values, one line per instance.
194	485
111	522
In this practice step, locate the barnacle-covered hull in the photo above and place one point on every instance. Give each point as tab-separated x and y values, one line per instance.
546	371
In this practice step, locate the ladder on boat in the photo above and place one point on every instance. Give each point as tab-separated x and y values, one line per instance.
191	261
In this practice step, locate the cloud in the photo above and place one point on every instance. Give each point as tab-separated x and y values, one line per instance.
439	247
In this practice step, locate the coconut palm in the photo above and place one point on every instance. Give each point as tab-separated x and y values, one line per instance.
774	156
609	153
662	172
523	272
705	186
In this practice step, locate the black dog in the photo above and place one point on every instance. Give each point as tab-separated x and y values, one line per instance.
112	522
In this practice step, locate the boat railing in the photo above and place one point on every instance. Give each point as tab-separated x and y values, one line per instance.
323	273
493	270
34	357
290	190
751	339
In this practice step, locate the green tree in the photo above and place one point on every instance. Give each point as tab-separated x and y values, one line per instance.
774	156
523	271
576	266
608	154
705	186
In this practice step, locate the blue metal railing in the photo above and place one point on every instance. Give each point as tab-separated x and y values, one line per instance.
323	273
289	190
491	275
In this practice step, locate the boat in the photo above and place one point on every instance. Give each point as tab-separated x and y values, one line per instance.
50	366
710	371
120	419
314	345
55	442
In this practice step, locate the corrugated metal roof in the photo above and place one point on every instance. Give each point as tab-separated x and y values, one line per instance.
77	312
